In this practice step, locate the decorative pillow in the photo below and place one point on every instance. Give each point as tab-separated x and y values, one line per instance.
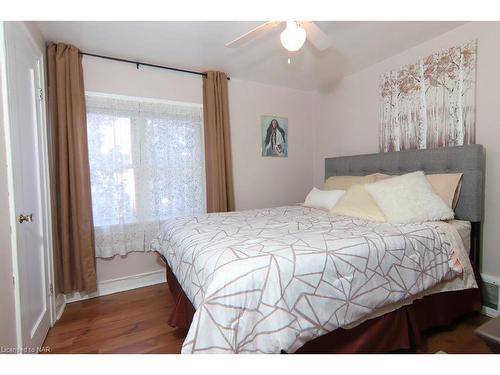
447	186
356	202
345	182
409	198
323	198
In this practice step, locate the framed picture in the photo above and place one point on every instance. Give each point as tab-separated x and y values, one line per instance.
430	103
274	136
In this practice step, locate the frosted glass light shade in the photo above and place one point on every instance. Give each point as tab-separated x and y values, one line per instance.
293	37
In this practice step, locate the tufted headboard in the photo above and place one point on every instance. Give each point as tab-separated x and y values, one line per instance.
467	159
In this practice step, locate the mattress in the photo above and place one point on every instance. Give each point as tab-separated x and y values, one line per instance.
268	280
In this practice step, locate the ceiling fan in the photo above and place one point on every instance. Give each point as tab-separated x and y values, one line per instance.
292	37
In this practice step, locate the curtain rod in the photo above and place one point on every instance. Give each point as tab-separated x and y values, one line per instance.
137	64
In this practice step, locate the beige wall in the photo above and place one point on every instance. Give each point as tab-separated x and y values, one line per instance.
347	117
259	182
268	181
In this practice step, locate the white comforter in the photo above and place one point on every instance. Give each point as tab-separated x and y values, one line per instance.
268	280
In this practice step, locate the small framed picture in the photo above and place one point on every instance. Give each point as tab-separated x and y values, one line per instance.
274	136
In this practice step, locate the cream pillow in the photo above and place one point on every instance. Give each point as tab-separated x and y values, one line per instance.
409	198
447	186
381	176
323	198
356	202
345	182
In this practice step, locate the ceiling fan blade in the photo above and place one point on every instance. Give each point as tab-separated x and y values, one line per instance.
316	36
253	34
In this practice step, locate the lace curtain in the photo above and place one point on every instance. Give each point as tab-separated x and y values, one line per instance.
147	165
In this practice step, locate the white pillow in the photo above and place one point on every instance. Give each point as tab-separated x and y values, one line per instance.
409	198
323	198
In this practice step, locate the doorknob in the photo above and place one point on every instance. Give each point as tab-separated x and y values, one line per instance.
22	218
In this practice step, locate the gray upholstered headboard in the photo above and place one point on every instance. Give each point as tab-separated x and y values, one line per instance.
466	159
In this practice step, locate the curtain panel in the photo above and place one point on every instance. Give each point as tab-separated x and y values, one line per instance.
146	164
74	255
218	164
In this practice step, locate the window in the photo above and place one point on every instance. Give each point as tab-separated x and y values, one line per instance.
146	165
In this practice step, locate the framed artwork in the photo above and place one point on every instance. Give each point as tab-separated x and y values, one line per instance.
274	136
430	103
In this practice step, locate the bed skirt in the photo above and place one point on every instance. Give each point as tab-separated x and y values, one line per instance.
400	329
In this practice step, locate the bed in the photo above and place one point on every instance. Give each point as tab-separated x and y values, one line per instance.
296	279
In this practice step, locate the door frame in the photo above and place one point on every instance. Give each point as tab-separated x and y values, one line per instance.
6	29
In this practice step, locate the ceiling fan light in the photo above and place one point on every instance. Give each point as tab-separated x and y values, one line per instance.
293	37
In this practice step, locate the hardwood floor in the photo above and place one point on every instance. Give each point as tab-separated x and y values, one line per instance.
129	322
458	339
136	322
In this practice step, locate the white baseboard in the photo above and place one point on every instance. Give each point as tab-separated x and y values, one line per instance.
60	305
492	313
120	284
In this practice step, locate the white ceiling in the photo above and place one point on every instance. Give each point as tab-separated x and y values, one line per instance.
201	46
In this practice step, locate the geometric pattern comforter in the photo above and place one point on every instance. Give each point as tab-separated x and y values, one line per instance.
268	280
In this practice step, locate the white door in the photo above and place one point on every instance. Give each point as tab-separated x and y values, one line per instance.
28	144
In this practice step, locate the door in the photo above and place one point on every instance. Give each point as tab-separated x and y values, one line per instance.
29	171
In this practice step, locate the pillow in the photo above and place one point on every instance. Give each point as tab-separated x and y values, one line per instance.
323	198
345	182
447	186
409	198
356	202
382	176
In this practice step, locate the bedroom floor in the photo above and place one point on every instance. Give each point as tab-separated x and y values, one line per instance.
136	322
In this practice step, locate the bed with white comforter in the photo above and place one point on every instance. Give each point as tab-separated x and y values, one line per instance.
268	280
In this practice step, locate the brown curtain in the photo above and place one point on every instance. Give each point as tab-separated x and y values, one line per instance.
74	254
218	166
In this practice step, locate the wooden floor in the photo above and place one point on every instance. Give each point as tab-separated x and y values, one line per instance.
136	322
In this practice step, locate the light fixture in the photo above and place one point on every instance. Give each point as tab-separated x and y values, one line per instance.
293	37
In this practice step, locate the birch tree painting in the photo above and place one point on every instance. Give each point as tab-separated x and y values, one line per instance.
430	103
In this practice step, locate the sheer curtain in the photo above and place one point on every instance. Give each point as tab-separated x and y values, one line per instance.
147	165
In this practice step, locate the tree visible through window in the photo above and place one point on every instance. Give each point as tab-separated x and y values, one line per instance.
146	164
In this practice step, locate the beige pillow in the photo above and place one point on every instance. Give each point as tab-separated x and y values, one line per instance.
447	186
345	182
356	202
